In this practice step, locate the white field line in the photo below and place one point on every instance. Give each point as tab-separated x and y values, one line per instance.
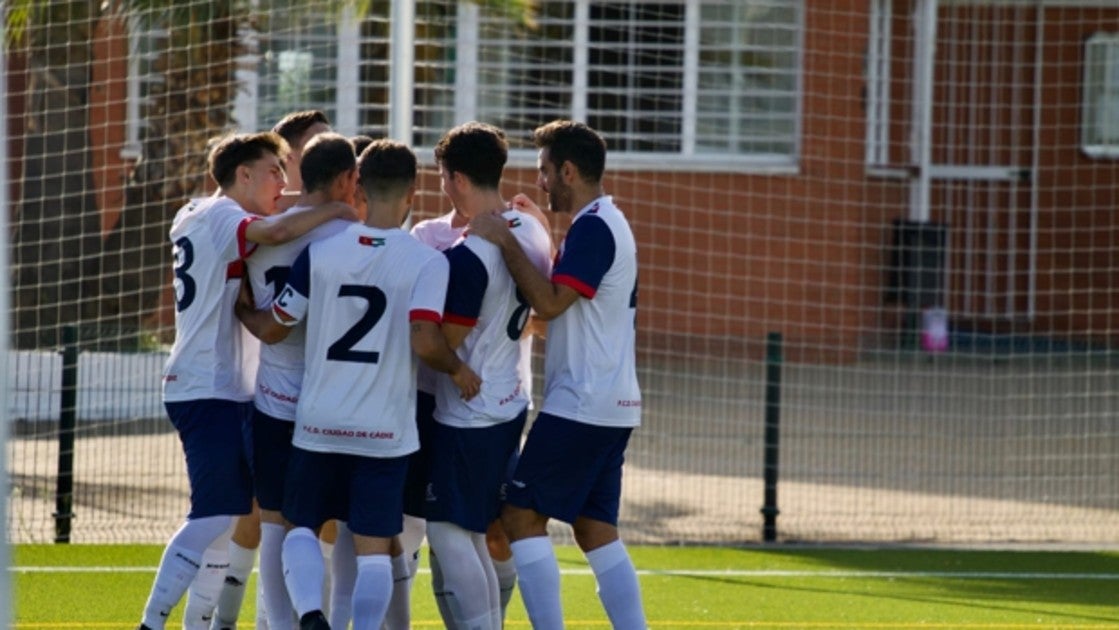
744	573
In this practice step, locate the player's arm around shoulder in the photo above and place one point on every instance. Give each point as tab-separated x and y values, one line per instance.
430	345
548	299
425	319
288	226
260	322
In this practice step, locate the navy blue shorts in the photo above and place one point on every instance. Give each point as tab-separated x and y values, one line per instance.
468	469
271	452
510	466
365	492
419	463
570	469
213	433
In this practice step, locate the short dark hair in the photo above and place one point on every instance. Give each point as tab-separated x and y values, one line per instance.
294	125
361	141
476	150
386	169
575	142
325	157
237	149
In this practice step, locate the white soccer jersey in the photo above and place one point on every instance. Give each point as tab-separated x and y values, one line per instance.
358	291
280	374
590	372
482	294
440	234
213	355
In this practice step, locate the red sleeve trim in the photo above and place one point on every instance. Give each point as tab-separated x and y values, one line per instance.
425	316
244	247
469	322
580	287
235	270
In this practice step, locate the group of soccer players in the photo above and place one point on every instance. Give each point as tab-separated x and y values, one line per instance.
390	393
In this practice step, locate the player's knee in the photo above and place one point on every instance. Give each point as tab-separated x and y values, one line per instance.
328	533
497	542
246	531
521	523
591	534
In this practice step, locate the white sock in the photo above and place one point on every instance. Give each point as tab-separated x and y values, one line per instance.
483	552
399	614
539	577
205	588
261	620
411	537
271	584
303	570
506	571
178	566
372	591
343	569
464	575
327	550
445	603
241	561
617	586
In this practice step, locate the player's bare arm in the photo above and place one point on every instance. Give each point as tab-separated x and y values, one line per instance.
429	344
259	322
548	300
288	226
536	327
455	333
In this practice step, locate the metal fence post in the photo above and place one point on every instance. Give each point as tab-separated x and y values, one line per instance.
67	421
773	360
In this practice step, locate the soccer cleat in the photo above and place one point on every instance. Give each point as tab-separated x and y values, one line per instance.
314	620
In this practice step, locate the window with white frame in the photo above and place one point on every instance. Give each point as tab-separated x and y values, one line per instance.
1100	122
296	66
704	81
144	43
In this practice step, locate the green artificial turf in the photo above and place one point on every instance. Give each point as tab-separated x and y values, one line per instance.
105	586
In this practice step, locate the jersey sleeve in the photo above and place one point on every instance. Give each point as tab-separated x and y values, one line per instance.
229	226
588	252
534	240
430	292
290	306
466	286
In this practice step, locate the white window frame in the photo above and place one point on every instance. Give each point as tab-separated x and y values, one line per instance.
687	158
690	157
1099	130
139	57
878	76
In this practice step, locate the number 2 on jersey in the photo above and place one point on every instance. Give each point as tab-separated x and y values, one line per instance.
343	349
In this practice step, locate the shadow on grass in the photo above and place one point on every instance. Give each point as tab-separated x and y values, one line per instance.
1092	577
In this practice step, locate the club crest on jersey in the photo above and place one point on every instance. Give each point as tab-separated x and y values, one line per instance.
370	241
